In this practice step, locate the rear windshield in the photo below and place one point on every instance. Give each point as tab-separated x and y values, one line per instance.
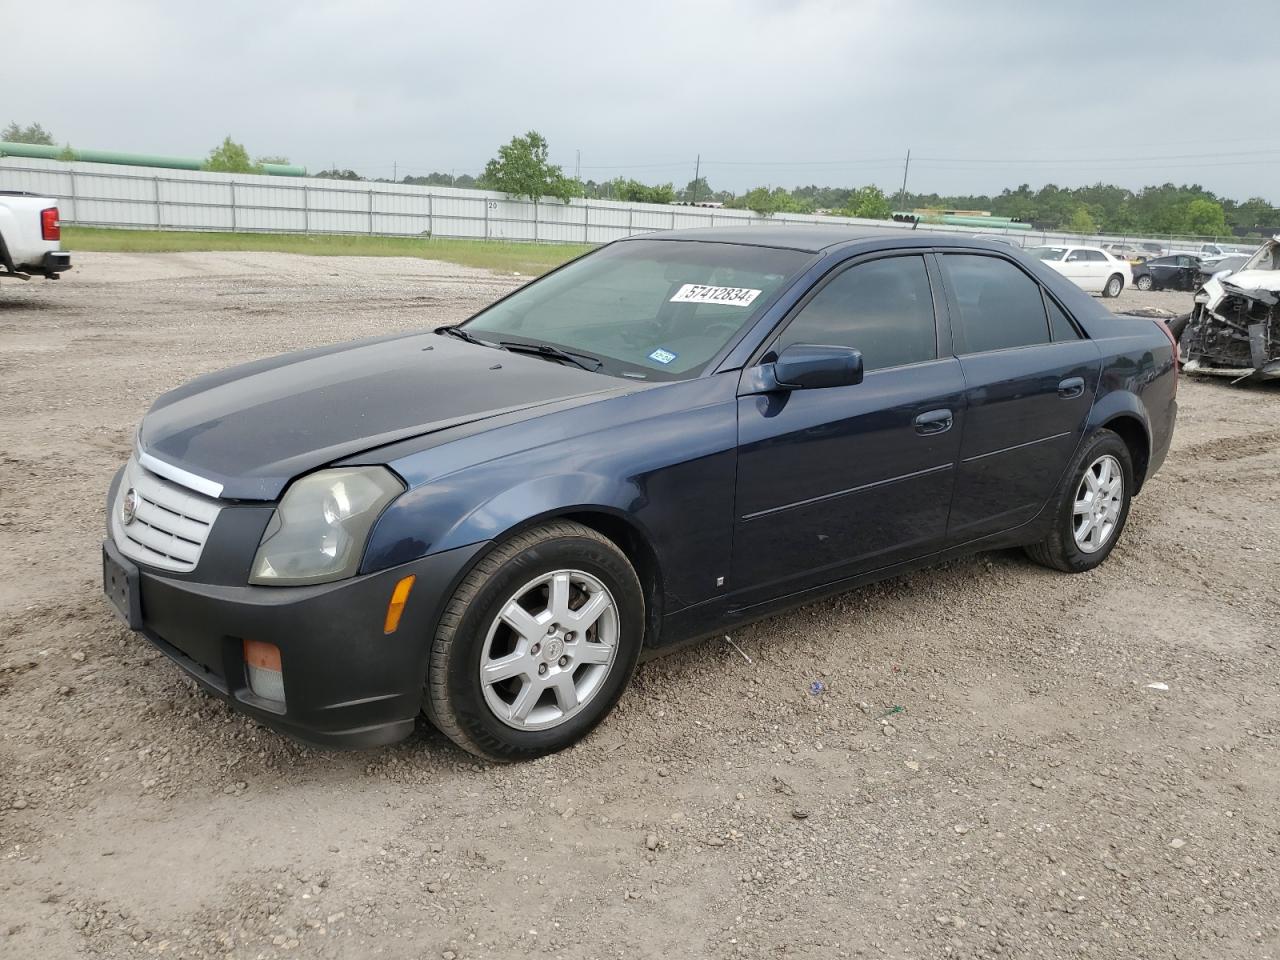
646	309
1048	253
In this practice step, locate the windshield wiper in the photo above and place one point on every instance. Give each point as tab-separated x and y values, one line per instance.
583	360
454	330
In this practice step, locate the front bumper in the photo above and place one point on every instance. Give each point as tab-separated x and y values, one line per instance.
346	683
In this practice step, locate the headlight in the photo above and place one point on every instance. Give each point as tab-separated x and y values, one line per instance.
319	530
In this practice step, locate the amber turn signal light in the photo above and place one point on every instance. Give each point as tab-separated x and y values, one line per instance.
265	676
264	656
399	597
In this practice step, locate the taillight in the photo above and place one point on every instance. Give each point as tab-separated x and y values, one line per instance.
49	226
1173	342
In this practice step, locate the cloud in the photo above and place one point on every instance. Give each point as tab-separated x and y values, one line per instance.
766	92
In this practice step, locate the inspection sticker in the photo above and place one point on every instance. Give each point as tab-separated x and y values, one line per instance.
662	356
729	296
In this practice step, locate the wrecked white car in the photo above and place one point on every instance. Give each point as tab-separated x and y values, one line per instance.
1234	329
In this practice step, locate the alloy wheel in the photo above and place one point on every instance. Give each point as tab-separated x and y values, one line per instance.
1099	499
549	650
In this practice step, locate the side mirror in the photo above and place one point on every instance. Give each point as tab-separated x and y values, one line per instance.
805	366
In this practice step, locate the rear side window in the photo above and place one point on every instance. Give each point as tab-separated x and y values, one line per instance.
883	308
1000	306
1059	325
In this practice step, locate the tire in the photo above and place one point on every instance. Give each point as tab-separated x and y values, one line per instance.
1115	283
1061	549
1143	283
551	567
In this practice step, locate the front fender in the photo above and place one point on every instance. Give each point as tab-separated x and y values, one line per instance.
443	515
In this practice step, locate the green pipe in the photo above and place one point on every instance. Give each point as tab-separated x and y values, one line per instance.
43	152
991	223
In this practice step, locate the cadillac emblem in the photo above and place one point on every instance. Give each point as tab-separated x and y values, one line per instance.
129	506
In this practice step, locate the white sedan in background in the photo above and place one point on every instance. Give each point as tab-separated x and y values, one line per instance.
1089	268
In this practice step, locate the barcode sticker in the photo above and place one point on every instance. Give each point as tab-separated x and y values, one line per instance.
727	296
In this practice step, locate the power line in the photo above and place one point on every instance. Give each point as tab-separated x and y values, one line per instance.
1072	160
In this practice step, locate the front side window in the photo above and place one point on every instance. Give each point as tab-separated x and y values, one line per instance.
883	308
1000	306
645	309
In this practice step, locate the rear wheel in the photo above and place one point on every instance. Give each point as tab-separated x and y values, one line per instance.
537	644
1092	505
1114	285
1143	283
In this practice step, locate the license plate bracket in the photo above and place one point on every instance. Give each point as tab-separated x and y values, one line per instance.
120	583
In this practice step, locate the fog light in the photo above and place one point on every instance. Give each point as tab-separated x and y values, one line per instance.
266	679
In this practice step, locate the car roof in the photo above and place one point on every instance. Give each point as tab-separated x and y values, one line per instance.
807	238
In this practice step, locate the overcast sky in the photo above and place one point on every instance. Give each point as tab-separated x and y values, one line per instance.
985	94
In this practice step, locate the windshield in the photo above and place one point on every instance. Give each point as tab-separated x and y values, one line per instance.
1048	253
648	309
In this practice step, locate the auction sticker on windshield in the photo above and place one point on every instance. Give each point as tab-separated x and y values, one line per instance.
728	296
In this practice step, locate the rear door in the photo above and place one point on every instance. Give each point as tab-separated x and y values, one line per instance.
1030	382
835	481
1186	274
1100	268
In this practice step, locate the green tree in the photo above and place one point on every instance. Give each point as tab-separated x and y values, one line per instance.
1205	218
521	169
230	157
34	133
1081	221
637	192
1254	214
336	174
440	179
760	200
869	203
696	190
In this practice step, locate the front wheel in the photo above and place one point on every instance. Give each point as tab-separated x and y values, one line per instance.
537	644
1114	285
1092	505
1143	283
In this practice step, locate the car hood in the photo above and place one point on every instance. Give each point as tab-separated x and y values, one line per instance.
244	433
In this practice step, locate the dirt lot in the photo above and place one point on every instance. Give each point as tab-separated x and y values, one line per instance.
984	772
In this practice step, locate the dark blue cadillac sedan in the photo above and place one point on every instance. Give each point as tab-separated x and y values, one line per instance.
491	523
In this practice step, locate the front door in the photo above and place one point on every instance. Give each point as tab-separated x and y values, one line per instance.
1081	271
1030	379
839	480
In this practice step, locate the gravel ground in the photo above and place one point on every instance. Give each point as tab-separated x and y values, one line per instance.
984	772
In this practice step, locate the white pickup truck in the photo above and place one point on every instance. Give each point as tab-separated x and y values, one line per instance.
30	237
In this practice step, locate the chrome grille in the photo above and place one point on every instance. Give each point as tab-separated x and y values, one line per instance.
170	523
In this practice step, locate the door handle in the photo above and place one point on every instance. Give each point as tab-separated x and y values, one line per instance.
935	421
1071	388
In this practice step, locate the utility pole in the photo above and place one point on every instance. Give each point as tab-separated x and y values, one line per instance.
577	166
395	172
902	194
697	168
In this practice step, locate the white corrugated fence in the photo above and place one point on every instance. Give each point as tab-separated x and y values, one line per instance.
109	195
